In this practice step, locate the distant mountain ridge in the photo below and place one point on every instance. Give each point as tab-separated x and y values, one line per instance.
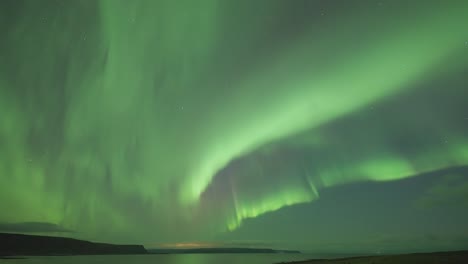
28	245
217	250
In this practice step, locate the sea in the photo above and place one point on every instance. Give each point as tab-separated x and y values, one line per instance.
252	258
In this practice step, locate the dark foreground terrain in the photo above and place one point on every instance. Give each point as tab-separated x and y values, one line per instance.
454	257
26	245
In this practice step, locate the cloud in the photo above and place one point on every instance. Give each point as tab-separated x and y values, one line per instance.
451	189
32	227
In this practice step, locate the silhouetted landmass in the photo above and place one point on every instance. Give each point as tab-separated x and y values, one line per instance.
217	250
27	245
453	257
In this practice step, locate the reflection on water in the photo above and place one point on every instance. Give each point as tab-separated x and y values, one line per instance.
169	259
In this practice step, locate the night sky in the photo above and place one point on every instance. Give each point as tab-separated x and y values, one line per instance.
324	126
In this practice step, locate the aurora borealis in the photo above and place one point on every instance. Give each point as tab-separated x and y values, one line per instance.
237	122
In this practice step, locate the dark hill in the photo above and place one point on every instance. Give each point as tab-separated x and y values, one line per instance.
24	245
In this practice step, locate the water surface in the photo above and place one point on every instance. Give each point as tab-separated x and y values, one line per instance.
166	258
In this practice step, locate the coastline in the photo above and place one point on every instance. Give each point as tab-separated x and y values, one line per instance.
449	257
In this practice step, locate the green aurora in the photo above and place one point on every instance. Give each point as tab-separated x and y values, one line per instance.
168	121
